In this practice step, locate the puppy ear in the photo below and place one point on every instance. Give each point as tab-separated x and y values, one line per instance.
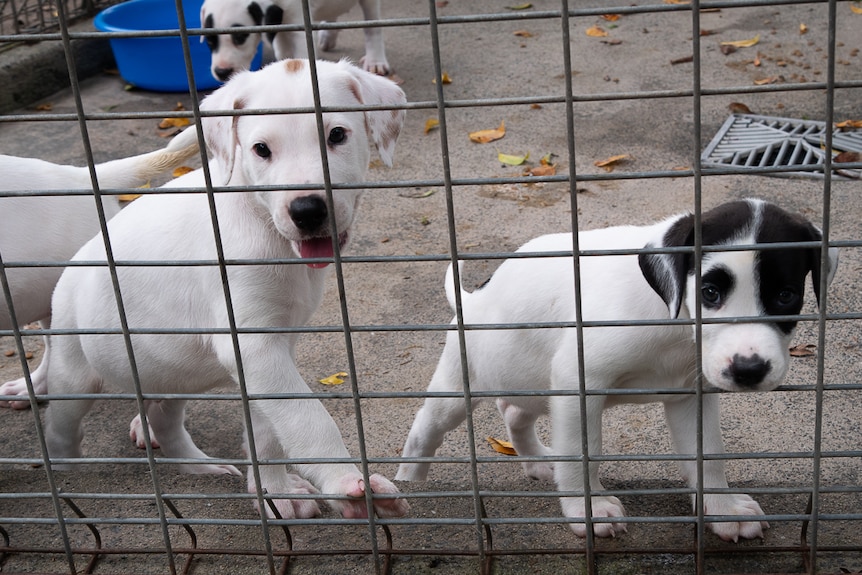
383	126
273	16
667	273
220	132
256	12
816	262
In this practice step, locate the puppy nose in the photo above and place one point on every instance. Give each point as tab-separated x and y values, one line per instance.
223	73
308	212
748	371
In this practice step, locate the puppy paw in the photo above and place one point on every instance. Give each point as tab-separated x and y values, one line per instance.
136	434
208	469
354	486
17	388
327	39
376	66
289	484
539	471
735	504
575	507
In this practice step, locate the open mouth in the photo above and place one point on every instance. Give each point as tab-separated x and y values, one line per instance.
320	247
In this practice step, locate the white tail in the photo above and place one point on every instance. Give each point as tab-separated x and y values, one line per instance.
449	284
137	170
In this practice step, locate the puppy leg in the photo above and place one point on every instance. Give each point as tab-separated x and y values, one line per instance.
277	482
167	420
38	377
569	474
306	431
327	39
681	416
374	60
437	416
522	431
136	434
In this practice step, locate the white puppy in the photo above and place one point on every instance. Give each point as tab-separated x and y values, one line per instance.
235	52
278	150
621	288
51	228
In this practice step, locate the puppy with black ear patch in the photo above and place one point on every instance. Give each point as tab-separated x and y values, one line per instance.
749	356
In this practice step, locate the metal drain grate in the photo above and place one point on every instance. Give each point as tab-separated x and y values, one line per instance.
750	141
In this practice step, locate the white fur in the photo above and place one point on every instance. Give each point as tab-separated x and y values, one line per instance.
51	228
613	288
231	57
177	227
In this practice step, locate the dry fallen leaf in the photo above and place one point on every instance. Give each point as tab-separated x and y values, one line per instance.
847	157
525	6
523	34
334	379
431	123
803	350
677	1
742	43
769	80
501	446
739	108
446	79
541	170
848	124
485	136
803	28
596	32
173	123
181	171
609	163
547	159
512	160
45	107
856	8
611	17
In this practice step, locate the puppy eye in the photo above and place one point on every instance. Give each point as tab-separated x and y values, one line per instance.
710	295
262	150
337	136
239	38
212	42
787	297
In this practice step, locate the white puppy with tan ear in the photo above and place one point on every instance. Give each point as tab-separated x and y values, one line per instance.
287	221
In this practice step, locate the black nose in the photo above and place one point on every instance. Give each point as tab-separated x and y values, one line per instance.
748	371
308	212
223	73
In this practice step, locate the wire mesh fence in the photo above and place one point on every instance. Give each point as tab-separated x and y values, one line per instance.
614	105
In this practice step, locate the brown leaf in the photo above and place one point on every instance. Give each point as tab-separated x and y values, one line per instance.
501	446
803	28
803	350
739	108
611	17
174	123
44	107
608	164
541	170
848	124
847	157
596	32
683	60
727	49
523	34
769	80
446	79
485	136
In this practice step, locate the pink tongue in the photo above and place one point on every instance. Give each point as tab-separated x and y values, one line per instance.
316	248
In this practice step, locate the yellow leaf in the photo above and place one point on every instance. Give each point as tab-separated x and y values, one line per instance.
501	446
596	32
512	160
611	17
174	123
846	124
485	136
608	164
677	1
856	8
446	79
743	43
803	28
181	171
524	6
547	159
430	124
334	379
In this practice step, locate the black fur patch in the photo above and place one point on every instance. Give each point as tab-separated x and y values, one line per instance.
212	39
273	16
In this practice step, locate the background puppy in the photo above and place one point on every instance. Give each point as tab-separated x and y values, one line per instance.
278	151
234	52
39	228
736	356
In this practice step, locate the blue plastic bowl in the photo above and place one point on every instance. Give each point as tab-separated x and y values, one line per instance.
156	63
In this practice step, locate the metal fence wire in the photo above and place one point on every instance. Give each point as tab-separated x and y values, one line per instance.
615	104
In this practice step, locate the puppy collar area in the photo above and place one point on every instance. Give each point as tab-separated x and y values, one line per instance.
320	247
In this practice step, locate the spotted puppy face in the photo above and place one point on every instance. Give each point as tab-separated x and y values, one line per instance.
234	52
741	284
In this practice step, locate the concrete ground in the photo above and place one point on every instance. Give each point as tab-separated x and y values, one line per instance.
498	60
